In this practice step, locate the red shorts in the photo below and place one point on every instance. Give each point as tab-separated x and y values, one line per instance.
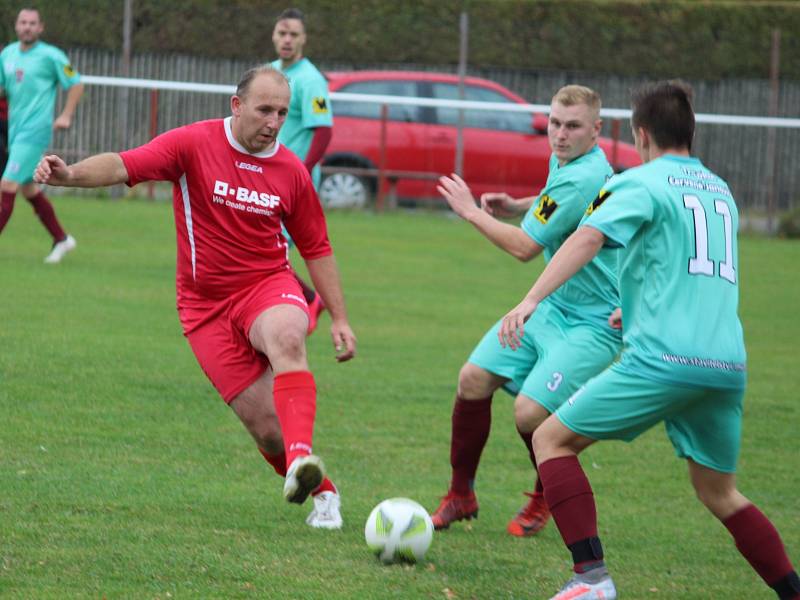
218	331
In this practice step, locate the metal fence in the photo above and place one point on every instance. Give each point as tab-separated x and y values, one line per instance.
738	154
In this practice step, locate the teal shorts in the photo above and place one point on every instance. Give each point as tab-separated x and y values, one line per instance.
703	424
22	161
557	356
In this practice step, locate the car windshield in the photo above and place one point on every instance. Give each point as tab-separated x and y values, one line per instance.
519	122
371	110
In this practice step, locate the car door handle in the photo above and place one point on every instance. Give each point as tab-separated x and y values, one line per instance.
442	138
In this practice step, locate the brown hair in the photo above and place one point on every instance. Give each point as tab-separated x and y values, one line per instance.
664	110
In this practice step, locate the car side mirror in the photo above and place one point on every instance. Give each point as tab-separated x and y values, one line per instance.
539	123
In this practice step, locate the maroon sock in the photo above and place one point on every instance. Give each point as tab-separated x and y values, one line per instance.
308	291
44	210
759	542
278	461
570	498
527	439
6	208
471	421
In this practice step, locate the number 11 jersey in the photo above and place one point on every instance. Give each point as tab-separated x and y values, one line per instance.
676	222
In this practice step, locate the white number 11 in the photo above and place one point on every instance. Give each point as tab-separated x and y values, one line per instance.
700	264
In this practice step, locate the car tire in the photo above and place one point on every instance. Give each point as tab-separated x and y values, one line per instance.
344	190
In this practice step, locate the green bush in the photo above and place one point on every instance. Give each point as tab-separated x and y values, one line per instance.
789	224
664	38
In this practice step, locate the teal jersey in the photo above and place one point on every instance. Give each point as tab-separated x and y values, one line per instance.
676	223
591	295
29	79
310	107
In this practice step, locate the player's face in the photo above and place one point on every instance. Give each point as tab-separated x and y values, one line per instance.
259	115
29	27
289	37
572	130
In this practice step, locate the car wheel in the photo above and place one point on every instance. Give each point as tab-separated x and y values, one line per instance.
343	190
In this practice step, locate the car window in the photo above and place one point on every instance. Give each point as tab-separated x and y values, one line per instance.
369	110
520	122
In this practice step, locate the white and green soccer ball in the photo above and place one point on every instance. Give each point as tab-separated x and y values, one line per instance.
399	530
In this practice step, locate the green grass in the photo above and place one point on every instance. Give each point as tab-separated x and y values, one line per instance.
122	475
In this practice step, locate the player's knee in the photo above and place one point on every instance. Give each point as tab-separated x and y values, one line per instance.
528	414
543	443
474	382
290	344
720	501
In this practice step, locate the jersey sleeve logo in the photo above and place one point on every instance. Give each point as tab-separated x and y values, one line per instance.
547	206
597	202
320	105
69	71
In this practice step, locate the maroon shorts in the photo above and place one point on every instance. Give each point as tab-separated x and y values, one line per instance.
219	331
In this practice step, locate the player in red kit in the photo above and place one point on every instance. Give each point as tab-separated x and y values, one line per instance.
239	303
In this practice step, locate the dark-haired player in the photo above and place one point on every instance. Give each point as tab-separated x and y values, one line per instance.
683	361
308	127
30	72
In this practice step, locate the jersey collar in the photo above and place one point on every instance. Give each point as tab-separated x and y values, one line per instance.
239	148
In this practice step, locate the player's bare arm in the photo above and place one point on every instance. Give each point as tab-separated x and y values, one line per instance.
505	236
64	120
581	247
96	171
503	206
325	275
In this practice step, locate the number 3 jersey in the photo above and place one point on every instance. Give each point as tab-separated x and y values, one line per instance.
676	222
228	207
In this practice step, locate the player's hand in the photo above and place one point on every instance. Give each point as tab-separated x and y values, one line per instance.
458	195
512	327
344	340
51	169
615	319
500	204
62	122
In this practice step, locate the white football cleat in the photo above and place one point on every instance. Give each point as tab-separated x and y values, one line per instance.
303	477
326	513
588	586
60	249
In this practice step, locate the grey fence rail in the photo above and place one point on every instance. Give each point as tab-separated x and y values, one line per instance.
116	118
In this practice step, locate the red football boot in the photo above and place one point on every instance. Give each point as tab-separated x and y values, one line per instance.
531	518
455	507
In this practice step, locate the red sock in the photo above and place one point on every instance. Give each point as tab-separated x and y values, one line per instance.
325	486
278	461
471	420
759	542
6	208
295	397
570	498
44	210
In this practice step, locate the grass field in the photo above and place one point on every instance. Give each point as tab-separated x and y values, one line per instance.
122	475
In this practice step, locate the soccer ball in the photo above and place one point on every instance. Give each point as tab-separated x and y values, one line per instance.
399	530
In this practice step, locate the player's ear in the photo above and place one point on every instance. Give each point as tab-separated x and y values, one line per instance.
236	105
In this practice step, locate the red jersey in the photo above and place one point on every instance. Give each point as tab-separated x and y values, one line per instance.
229	205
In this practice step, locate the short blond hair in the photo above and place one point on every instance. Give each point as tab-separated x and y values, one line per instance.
570	95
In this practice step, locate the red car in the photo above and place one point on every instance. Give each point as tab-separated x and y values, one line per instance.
503	151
